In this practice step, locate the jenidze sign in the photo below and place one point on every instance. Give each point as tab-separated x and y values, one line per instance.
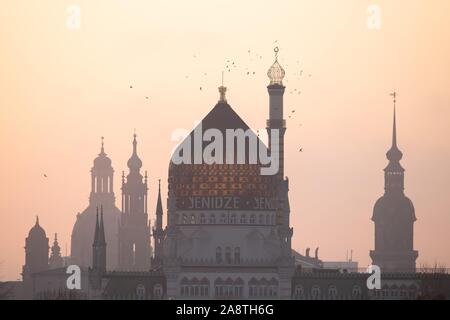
225	203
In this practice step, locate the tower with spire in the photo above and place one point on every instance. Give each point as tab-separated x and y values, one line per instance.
99	245
158	233
394	216
56	261
102	194
134	227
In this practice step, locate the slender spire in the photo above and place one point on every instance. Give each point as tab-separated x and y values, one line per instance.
159	210
134	143
96	230
102	240
394	154
37	220
394	129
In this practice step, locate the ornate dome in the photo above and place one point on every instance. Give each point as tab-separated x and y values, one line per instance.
37	231
398	205
102	161
276	72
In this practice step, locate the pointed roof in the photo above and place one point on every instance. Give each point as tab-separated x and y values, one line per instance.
96	231
101	230
159	209
394	155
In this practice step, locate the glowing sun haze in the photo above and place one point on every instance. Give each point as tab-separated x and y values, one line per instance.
62	89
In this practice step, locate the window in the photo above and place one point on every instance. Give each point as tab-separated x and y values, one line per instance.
356	292
332	292
192	219
228	255
185	219
140	292
157	291
237	255
252	219
222	218
202	219
243	220
299	292
267	219
212	218
315	292
261	219
233	219
219	255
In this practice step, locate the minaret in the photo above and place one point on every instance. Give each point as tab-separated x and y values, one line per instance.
394	216
99	245
158	232
56	260
276	121
134	230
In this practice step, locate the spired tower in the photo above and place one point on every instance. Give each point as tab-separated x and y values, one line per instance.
158	233
134	227
102	194
99	245
394	217
36	257
56	260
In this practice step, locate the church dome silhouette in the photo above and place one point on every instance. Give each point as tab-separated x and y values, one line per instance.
398	205
37	231
102	161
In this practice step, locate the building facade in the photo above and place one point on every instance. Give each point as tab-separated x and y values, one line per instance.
228	234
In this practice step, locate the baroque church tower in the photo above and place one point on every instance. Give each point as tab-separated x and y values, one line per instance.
134	229
56	261
394	217
102	195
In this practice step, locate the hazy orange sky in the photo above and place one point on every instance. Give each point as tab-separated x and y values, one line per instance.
62	89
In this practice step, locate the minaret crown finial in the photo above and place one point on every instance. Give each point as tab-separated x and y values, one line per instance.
276	73
102	150
222	91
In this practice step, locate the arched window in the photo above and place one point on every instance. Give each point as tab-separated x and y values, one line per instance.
243	220
332	292
237	255
299	292
315	292
212	218
233	219
356	292
185	219
157	291
252	219
222	218
219	255
202	219
192	219
228	255
140	292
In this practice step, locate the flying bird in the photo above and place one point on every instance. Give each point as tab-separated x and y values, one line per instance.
301	150
131	87
45	176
